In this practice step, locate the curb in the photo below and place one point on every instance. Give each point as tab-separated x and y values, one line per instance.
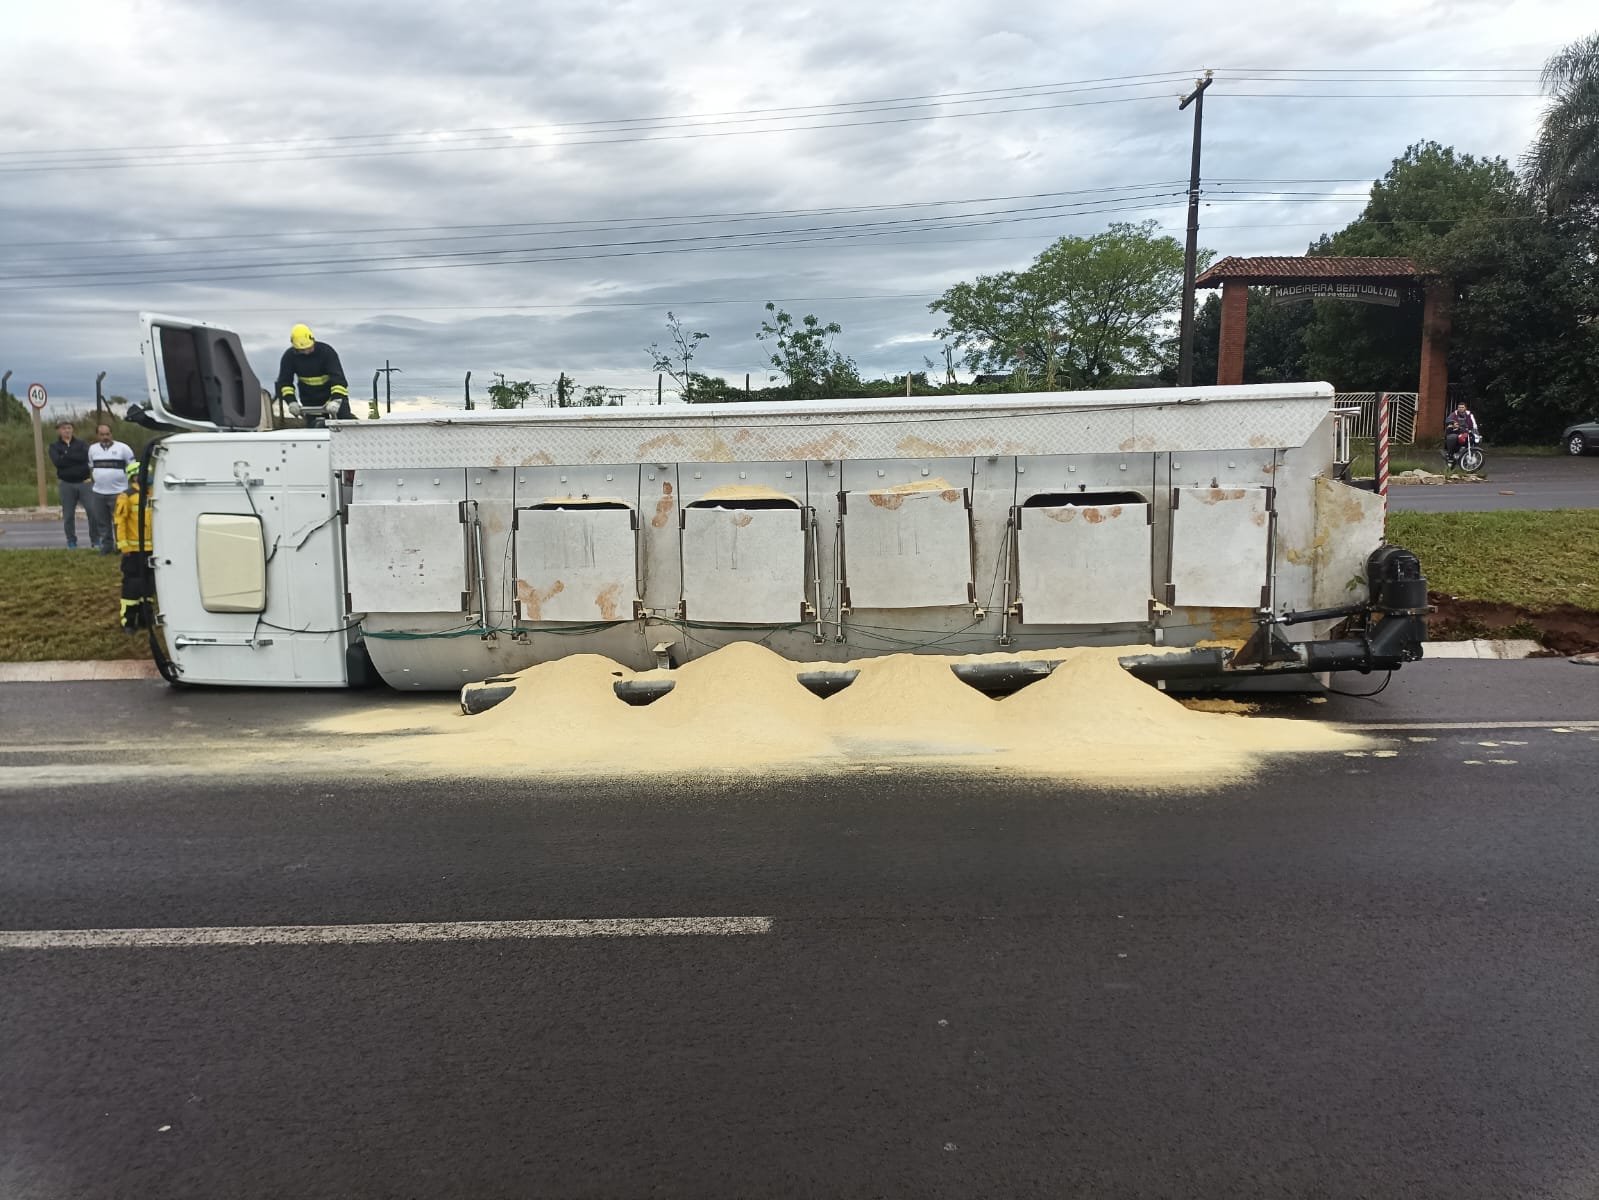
1495	648
78	672
50	512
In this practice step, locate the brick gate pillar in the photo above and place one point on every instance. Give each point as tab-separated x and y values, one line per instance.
1432	400
1234	319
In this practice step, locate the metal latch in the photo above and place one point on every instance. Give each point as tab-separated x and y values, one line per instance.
252	643
172	481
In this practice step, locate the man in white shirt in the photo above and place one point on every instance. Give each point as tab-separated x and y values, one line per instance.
109	459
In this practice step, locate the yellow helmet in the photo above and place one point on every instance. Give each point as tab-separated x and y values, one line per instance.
300	337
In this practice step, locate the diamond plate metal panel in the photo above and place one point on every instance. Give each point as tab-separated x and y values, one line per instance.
575	564
1219	542
1084	565
1152	421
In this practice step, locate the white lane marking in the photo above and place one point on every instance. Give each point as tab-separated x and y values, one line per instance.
425	931
1378	726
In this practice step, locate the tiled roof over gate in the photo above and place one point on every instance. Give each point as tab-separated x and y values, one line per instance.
1283	270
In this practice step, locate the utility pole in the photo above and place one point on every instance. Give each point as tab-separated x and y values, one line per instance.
1185	334
388	378
99	399
469	391
658	386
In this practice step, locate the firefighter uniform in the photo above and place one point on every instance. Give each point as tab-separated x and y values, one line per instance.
138	586
320	374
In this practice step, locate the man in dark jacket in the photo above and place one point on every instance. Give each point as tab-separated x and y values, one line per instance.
69	454
320	374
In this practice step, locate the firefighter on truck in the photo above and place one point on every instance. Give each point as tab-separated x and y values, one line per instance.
321	378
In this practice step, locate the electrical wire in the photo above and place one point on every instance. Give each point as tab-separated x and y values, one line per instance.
1001	92
899	225
1387	679
596	225
402	263
682	132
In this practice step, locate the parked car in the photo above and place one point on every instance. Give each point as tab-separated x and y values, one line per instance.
1581	437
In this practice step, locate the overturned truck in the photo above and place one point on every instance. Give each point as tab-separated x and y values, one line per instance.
442	549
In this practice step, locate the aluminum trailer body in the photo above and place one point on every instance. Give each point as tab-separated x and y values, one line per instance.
453	548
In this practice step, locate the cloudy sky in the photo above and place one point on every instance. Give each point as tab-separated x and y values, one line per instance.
499	185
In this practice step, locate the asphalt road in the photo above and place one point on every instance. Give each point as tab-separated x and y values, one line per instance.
1531	483
1352	976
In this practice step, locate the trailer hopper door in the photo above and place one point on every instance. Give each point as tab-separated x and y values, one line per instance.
1084	564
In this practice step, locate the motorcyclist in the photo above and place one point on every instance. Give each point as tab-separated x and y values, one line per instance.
321	376
1460	428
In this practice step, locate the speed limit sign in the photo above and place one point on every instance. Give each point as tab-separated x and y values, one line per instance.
37	396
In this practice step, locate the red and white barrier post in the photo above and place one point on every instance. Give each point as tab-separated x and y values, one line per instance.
1382	450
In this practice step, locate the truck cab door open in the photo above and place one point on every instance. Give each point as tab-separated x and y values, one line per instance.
197	375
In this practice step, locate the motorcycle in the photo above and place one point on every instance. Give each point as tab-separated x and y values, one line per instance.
1463	450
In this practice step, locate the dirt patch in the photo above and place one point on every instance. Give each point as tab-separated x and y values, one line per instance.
1564	629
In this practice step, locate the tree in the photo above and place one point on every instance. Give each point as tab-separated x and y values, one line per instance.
597	395
1524	348
804	354
1562	164
1525	344
1425	194
677	359
1414	211
562	391
1274	349
513	394
1087	312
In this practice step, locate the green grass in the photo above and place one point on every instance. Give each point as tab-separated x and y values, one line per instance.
19	486
63	604
1429	458
1400	458
1532	559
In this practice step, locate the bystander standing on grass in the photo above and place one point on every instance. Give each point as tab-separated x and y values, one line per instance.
69	455
109	458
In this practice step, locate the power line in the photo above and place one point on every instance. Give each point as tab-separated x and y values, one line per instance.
258	157
597	225
112	278
886	227
676	133
782	112
1001	92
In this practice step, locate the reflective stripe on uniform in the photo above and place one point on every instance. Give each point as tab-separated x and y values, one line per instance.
289	391
338	390
314	380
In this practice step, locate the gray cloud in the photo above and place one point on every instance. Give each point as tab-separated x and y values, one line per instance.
187	72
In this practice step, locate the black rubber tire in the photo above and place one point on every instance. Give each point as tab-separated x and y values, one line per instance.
1576	445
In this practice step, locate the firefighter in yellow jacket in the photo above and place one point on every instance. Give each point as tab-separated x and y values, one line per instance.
138	586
